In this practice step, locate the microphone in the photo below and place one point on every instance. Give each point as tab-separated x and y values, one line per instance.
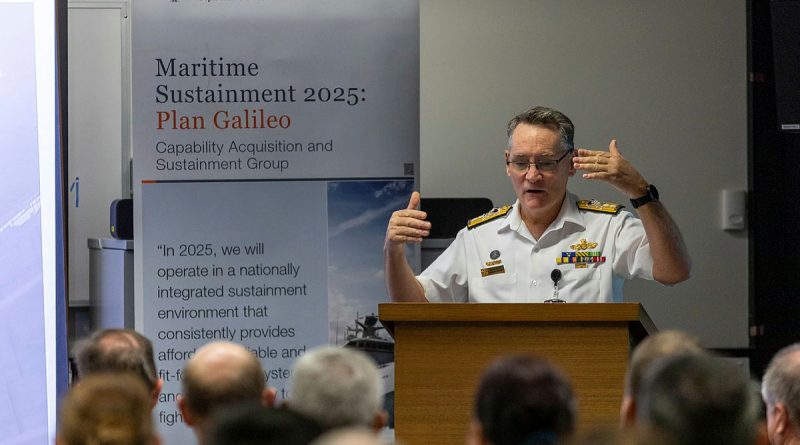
555	275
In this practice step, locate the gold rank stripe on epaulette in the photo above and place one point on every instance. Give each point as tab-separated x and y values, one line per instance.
488	216
594	205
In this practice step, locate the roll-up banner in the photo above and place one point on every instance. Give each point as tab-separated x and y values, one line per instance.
271	142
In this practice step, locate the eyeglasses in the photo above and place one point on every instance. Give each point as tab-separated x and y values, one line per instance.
543	165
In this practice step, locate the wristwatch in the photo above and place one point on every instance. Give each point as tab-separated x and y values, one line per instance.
651	195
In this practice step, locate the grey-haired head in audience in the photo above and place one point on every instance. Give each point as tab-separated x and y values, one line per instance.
781	391
338	387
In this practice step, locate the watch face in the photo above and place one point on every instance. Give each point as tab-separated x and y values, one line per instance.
653	192
652	195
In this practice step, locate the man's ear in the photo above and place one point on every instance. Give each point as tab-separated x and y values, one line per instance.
627	412
156	392
187	417
380	420
572	169
268	396
781	417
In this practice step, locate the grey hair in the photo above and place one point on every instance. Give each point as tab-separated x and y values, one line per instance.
782	381
547	117
336	387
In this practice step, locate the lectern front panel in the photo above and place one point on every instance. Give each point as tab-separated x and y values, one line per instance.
439	364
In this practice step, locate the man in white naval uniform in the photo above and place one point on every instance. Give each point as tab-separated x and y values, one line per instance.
507	255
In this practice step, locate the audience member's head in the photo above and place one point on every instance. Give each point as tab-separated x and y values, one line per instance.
107	409
657	346
698	400
119	350
781	392
338	387
523	399
220	374
349	436
254	424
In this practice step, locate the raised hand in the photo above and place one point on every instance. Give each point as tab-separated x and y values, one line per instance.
408	225
611	167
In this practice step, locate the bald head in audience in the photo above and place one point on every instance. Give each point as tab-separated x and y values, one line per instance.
119	350
220	374
781	391
657	346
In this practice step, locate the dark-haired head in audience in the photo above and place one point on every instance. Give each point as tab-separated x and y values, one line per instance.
255	424
698	400
219	375
522	400
781	392
119	350
657	346
107	409
338	387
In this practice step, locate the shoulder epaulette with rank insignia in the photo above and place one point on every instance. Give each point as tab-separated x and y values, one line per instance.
488	216
594	205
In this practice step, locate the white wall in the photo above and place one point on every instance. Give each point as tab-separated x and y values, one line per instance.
98	130
666	78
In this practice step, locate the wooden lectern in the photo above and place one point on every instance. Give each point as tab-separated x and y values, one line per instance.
441	350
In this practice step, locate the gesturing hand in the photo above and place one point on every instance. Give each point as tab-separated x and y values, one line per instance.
611	167
408	225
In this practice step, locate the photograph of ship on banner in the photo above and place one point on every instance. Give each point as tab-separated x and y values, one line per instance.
357	215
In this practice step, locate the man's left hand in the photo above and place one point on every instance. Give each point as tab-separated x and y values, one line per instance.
611	167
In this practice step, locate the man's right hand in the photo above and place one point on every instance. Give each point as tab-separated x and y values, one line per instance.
407	225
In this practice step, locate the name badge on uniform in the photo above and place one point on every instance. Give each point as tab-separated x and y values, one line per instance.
493	270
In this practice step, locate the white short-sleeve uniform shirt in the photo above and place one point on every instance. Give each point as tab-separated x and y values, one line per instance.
500	261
